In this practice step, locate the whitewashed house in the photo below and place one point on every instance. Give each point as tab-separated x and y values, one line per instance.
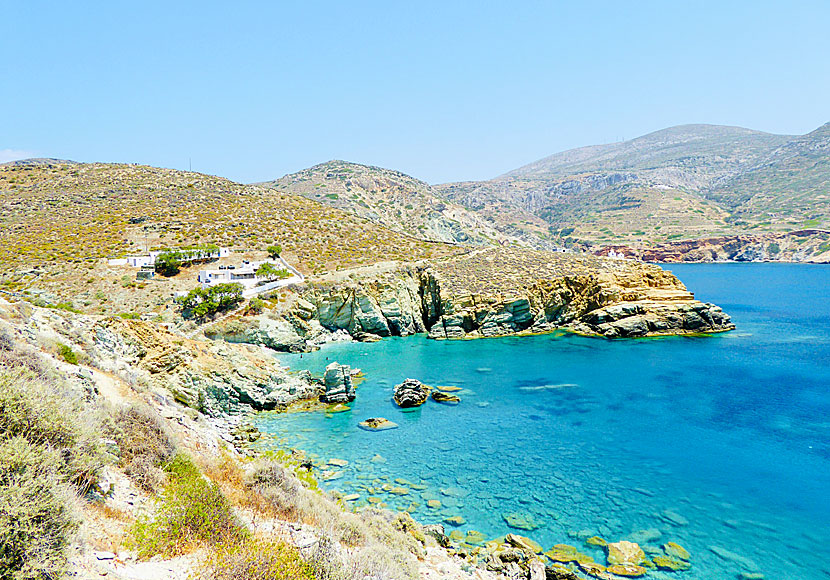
246	275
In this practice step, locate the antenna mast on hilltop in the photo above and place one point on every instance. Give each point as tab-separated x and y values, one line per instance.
189	164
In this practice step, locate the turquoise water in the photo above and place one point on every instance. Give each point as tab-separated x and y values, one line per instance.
719	441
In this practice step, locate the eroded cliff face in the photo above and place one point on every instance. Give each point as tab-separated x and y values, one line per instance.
492	292
213	377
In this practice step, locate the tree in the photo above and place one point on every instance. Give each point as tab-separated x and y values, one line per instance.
202	302
169	263
267	270
274	251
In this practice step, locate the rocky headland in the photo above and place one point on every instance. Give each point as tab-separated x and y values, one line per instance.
485	293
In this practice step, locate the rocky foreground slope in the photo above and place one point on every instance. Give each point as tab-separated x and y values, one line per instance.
488	292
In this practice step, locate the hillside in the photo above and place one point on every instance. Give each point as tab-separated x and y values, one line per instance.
59	219
790	185
392	199
686	182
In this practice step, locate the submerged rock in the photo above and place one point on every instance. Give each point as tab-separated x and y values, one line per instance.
624	553
445	398
670	564
377	424
520	521
411	393
674	550
628	570
523	542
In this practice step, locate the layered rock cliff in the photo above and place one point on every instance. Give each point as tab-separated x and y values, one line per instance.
488	292
214	377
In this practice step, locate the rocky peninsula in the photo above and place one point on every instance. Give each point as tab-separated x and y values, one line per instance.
484	293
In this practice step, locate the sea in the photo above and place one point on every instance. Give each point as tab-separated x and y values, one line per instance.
718	443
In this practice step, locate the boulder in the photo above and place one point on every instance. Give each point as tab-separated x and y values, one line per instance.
437	532
410	393
338	383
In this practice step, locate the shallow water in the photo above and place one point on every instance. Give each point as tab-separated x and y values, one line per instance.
715	442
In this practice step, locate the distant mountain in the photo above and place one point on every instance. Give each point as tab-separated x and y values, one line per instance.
394	200
791	184
685	182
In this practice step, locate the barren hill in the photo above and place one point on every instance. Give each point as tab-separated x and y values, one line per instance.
394	200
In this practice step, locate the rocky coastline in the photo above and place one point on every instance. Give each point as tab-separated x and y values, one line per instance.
487	293
810	246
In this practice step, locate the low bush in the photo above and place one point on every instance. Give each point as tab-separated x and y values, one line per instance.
192	512
257	559
36	518
40	414
67	354
382	547
48	454
144	446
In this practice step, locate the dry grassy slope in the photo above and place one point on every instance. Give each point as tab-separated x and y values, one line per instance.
684	182
61	218
506	272
392	199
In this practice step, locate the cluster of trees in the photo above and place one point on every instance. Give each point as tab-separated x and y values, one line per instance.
169	263
201	302
267	270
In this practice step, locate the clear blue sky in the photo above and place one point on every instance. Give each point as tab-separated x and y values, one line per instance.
443	90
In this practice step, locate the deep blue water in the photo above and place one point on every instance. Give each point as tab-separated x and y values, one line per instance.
588	436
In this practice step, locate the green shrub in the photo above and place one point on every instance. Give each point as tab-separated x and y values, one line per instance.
47	444
169	263
37	412
129	315
36	520
274	251
257	559
192	512
67	354
256	305
267	270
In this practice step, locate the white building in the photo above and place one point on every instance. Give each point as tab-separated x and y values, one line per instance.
244	274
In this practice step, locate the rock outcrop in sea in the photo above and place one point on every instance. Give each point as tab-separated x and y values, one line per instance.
410	393
338	384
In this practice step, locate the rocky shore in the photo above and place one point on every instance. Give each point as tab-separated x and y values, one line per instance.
801	246
486	293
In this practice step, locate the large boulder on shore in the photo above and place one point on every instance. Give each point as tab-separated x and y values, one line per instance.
338	383
411	393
